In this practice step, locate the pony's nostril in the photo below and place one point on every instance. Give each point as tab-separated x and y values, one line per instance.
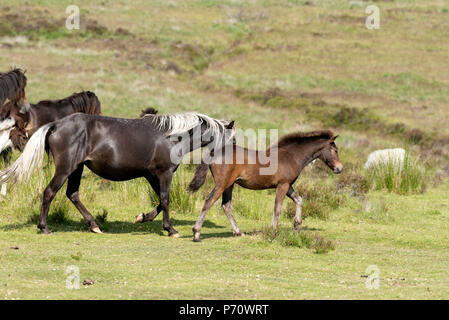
338	169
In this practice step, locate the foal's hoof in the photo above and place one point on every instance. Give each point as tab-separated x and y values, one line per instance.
238	234
139	218
297	226
96	230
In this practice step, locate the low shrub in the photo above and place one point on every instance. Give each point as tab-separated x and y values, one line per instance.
357	183
318	200
303	239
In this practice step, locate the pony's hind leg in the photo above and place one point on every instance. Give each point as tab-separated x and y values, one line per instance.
49	194
297	221
281	191
227	208
211	198
72	193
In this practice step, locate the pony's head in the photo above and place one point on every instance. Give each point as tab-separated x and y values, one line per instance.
12	111
329	155
224	135
12	87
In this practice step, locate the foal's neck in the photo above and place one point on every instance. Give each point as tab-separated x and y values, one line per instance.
306	151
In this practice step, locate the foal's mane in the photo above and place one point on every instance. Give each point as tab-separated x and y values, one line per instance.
12	84
84	101
182	122
297	137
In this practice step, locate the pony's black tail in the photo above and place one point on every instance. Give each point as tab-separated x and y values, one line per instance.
199	178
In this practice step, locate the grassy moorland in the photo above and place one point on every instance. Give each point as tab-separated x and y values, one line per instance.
289	65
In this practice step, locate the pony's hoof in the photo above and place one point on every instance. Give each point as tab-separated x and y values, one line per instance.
45	231
175	235
238	234
138	218
96	230
297	226
196	237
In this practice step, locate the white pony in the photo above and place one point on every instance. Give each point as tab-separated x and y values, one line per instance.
395	156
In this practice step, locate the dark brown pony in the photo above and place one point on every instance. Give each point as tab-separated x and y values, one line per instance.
12	87
294	152
46	111
116	149
28	120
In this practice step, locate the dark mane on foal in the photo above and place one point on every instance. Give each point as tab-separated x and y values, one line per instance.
12	85
84	101
301	136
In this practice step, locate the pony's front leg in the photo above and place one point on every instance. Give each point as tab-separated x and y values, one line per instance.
165	183
226	204
281	191
297	221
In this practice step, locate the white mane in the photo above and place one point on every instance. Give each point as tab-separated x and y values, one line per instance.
179	123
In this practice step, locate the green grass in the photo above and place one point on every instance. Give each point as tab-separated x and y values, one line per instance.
266	64
410	177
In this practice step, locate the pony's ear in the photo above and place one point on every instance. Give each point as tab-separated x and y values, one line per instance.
230	125
335	137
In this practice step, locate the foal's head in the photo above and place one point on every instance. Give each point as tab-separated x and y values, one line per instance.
329	155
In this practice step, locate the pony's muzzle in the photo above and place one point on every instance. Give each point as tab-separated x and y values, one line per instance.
338	169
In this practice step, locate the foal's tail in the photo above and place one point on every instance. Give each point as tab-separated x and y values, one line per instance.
31	158
199	178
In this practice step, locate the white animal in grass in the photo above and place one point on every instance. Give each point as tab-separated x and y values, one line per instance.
395	156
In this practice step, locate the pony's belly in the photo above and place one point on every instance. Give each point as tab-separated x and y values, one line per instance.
107	171
260	184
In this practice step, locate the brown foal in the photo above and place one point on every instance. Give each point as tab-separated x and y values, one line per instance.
294	152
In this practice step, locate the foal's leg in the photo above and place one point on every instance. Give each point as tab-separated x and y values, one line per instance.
72	193
297	221
150	216
211	198
227	207
165	183
281	191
